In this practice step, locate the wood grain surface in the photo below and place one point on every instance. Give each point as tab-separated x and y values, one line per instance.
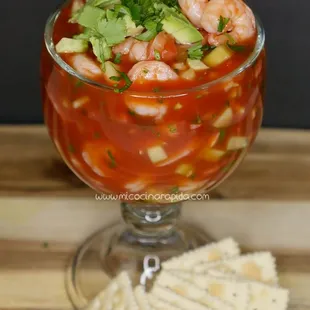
45	212
277	168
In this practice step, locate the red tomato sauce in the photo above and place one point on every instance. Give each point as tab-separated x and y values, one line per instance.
107	138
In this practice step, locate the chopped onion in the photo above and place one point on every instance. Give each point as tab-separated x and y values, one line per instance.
236	143
80	102
156	154
185	169
225	119
212	155
188	74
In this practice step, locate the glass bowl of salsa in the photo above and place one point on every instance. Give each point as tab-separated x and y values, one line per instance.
152	103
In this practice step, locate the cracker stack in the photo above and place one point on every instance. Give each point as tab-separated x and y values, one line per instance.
213	277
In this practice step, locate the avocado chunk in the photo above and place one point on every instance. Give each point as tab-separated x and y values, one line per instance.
66	45
181	29
88	16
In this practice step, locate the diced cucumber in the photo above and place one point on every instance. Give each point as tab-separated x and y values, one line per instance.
178	106
237	143
218	56
67	45
156	154
225	119
179	66
78	103
186	170
196	64
188	74
110	69
212	155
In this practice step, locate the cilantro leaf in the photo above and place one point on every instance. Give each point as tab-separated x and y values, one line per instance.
151	27
236	48
100	48
127	81
88	16
114	30
195	52
118	58
102	3
222	23
86	35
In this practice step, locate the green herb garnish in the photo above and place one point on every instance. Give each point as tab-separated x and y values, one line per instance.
172	128
222	135
236	48
118	58
112	158
71	148
97	135
198	120
45	245
195	52
115	78
131	112
222	23
175	190
126	79
156	89
157	55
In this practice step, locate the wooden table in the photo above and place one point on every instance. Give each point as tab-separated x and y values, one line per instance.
45	212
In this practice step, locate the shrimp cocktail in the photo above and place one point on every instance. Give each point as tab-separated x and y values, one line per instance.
154	101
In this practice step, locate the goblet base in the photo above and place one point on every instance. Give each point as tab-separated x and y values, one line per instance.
112	250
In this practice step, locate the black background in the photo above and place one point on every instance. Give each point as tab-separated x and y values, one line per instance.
287	24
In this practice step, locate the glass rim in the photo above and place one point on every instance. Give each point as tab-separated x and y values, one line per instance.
50	46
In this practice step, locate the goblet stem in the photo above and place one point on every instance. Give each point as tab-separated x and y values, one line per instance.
151	222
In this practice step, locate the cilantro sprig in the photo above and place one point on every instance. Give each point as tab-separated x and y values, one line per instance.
223	21
197	51
122	77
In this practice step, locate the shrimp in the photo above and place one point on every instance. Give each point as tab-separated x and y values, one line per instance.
139	50
152	71
85	65
193	10
241	24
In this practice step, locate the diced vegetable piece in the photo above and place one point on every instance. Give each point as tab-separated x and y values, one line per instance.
179	66
218	56
237	143
76	5
188	74
196	64
67	45
186	170
181	29
156	154
190	186
136	186
212	155
178	106
80	102
110	69
225	119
